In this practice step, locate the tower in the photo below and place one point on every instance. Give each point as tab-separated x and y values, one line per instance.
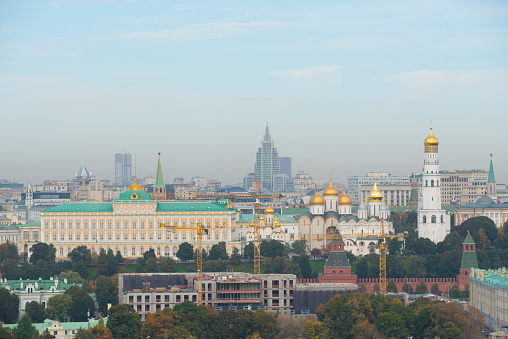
469	260
159	189
491	181
123	169
267	161
337	268
433	222
29	200
344	203
317	204
413	200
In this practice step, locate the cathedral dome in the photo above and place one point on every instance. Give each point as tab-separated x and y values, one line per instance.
317	200
330	191
362	207
135	186
344	199
269	210
375	195
384	208
431	140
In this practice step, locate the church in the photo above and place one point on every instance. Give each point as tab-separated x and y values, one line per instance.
332	212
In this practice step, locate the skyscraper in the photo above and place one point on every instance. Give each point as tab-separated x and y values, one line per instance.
267	162
433	222
285	166
123	169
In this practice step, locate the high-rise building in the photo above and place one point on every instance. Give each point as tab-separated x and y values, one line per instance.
285	166
267	162
433	222
123	169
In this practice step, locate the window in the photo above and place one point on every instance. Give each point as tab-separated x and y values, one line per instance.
126	236
433	219
117	224
78	224
424	219
110	225
150	224
78	237
101	237
142	236
54	236
62	224
175	223
62	236
61	252
85	225
216	236
442	219
134	236
133	253
70	237
110	237
54	225
124	252
150	236
184	236
117	236
26	235
46	237
101	225
175	236
126	223
168	236
70	225
143	224
159	236
93	224
158	251
86	236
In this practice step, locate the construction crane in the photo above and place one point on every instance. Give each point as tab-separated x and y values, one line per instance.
382	248
200	230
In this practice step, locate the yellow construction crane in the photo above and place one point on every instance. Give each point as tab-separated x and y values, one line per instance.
199	256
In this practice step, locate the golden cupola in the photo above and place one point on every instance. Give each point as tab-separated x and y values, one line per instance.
317	200
431	143
269	210
330	191
344	199
375	194
135	186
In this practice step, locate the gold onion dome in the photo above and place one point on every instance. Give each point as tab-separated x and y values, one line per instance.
375	195
344	199
330	190
269	210
431	140
317	200
261	218
135	186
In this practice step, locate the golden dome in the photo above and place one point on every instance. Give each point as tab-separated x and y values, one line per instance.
344	199
135	186
261	218
375	195
269	210
330	190
317	200
431	140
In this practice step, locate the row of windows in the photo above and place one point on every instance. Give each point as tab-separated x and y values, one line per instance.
167	251
432	219
134	224
134	236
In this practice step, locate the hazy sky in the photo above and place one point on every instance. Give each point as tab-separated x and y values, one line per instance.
347	87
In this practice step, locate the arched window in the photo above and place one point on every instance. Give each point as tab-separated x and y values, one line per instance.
133	251
433	220
166	250
175	249
426	183
158	251
125	251
424	219
432	183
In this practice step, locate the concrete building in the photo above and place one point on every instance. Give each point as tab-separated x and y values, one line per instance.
302	182
123	169
461	187
355	184
285	166
433	221
393	195
484	206
150	292
267	162
33	203
282	183
488	292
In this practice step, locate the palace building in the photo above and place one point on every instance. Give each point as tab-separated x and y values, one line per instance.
332	212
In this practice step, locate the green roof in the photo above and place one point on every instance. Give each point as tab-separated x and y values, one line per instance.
295	210
32	224
44	284
135	196
82	207
48	324
491	172
191	207
282	218
468	260
469	239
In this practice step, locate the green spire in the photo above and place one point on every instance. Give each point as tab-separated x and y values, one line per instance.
159	181
469	240
469	258
491	171
337	258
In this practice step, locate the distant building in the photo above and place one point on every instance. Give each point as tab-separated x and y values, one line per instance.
123	169
281	183
33	203
62	330
302	182
488	293
486	207
285	166
267	162
82	176
213	184
178	181
248	181
355	183
462	186
199	181
393	195
433	221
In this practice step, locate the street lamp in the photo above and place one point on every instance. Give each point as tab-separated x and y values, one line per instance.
448	291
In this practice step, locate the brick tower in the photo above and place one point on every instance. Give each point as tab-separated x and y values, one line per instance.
337	268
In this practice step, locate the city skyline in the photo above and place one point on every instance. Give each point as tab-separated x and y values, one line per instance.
347	88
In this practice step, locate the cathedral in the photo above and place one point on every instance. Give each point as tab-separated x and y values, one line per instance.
332	212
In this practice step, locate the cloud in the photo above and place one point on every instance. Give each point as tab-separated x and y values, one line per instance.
451	80
204	31
319	72
184	7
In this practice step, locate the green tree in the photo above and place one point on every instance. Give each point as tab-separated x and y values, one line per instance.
299	247
6	333
272	249
25	329
72	277
168	265
9	306
362	268
483	241
235	257
81	253
82	304
248	251
118	257
35	311
151	266
84	334
107	264
198	320
160	322
124	322
421	288
391	287
10	269
391	325
42	251
149	254
435	289
315	252
100	331
303	261
417	268
8	251
105	291
185	251
59	307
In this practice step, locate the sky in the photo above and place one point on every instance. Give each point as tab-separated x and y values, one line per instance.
347	87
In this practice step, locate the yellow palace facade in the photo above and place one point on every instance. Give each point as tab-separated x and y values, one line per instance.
130	225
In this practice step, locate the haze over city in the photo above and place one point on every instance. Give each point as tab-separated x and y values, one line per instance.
346	87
